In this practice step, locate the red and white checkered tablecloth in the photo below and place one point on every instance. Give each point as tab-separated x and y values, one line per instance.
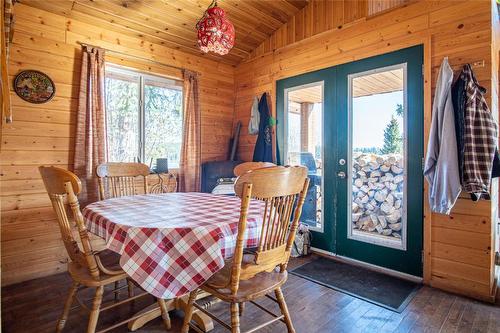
172	243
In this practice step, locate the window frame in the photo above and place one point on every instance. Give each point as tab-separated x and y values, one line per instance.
369	238
286	91
122	73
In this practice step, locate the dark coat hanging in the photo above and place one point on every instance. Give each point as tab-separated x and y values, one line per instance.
264	146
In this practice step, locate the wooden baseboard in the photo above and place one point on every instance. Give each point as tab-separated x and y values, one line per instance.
469	290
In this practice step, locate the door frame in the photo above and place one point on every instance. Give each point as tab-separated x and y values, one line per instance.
383	47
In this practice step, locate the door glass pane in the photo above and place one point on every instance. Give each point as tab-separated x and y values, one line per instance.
122	116
377	176
304	144
162	123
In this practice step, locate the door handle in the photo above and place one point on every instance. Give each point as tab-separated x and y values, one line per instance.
341	174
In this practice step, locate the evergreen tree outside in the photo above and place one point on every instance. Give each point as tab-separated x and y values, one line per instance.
366	150
162	124
393	140
162	121
122	123
399	110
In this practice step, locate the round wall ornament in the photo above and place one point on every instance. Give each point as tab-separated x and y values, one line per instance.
34	86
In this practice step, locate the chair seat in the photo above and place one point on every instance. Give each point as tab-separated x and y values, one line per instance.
258	286
111	261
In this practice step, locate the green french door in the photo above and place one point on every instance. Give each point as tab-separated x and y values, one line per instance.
304	120
358	127
380	138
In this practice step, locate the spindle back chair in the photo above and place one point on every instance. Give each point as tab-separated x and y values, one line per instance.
252	274
86	267
242	168
118	179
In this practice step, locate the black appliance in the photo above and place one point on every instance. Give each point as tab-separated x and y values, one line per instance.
211	172
309	210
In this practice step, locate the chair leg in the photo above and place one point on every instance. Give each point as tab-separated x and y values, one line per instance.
117	285
130	288
284	310
188	311
235	318
241	308
94	313
164	313
67	306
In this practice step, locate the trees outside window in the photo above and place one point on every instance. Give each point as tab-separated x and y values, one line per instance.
122	110
393	139
144	117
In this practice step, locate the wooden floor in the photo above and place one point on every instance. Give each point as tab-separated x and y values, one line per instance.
34	306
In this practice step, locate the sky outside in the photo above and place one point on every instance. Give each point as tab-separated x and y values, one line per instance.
371	114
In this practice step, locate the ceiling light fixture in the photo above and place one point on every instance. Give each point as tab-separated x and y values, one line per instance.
215	31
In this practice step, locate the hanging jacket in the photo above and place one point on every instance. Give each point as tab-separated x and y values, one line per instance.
459	96
480	139
495	172
253	124
264	146
441	167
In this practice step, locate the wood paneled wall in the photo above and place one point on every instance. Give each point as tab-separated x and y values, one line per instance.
458	255
320	16
495	106
43	133
458	249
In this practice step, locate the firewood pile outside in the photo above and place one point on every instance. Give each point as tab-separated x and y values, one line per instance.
377	193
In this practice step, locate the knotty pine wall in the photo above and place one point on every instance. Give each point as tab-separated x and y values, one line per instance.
495	105
43	134
458	249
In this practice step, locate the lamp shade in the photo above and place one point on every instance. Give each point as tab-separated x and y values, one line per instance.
215	32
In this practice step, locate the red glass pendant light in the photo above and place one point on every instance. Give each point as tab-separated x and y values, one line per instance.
215	31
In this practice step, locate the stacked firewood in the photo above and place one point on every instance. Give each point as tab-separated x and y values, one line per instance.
377	193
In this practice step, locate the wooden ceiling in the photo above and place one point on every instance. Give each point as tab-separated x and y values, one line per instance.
172	22
311	94
367	85
378	83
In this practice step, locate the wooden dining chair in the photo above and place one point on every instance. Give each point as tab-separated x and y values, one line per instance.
166	183
118	179
252	274
86	266
242	168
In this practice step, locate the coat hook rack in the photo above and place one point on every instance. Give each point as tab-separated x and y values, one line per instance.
477	64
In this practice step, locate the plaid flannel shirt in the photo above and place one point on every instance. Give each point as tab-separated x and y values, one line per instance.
480	139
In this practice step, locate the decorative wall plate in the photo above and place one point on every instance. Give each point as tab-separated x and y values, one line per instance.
34	86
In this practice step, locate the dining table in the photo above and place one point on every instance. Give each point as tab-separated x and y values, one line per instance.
171	243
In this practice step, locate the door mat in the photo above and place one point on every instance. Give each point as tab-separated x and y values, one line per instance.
384	290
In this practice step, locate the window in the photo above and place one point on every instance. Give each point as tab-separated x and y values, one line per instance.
144	117
304	144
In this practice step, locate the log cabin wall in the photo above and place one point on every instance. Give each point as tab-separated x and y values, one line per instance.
495	106
43	134
458	249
